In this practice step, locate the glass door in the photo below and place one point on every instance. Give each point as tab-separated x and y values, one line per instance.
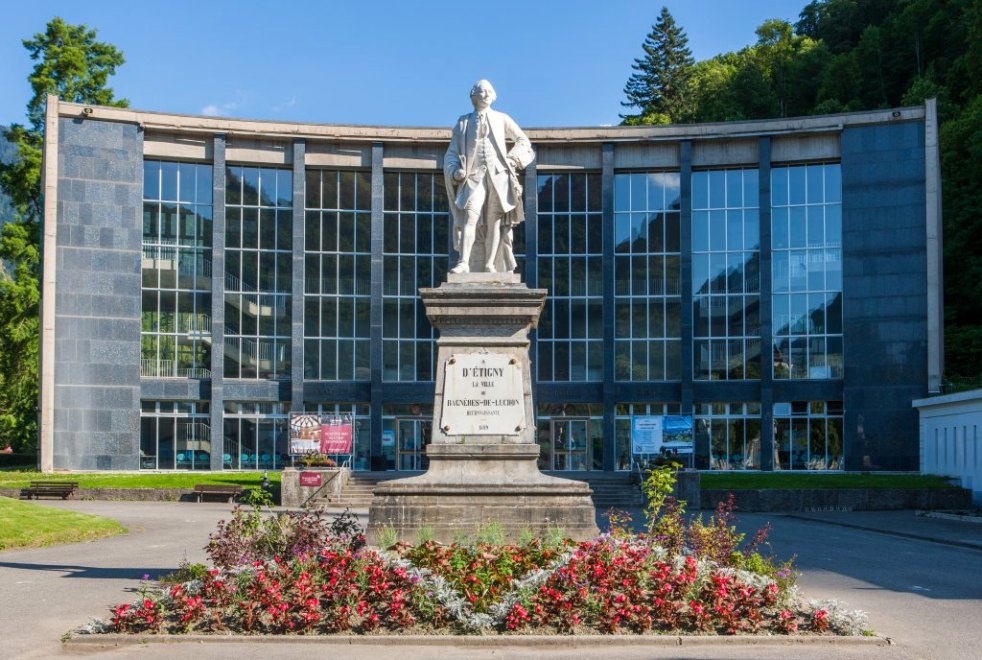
412	435
569	443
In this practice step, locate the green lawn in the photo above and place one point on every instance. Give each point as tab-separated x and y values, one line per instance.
30	525
795	481
184	480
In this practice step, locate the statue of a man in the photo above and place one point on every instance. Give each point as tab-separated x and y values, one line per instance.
481	175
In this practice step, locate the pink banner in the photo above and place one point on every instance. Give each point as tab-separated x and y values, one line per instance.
336	438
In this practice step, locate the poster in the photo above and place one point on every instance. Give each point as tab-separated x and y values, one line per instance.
650	434
305	433
646	434
336	432
677	433
325	434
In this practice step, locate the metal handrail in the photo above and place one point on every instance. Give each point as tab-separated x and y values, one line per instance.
333	479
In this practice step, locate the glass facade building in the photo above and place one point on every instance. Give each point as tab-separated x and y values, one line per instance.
744	274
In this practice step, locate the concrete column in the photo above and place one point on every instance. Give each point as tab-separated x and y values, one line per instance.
218	304
531	229
375	319
766	321
685	284
935	270
607	211
297	289
49	246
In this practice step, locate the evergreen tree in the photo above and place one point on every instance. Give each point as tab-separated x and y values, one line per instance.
659	88
75	67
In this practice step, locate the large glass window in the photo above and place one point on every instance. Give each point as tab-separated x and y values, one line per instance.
727	436
622	426
646	292
256	435
406	431
175	435
570	436
337	275
806	244
258	272
361	441
570	334
726	275
808	435
415	252
175	339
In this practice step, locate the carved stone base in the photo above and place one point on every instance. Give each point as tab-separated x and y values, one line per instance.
470	486
484	451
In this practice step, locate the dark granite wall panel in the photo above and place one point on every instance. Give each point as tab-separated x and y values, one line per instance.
97	301
884	293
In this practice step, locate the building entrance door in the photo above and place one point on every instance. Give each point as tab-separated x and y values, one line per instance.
412	435
569	437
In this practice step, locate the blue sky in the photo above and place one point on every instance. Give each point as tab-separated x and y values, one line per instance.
409	63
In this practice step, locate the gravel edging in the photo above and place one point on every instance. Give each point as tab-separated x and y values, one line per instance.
483	641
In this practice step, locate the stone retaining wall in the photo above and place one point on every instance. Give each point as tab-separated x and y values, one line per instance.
121	494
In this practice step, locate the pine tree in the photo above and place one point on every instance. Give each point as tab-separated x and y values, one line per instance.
73	65
659	88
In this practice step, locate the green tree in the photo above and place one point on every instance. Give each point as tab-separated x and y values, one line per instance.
659	88
73	65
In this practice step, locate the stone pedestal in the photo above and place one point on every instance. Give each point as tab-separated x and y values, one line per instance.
483	455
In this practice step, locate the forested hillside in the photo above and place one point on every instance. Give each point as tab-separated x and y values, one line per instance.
7	154
845	55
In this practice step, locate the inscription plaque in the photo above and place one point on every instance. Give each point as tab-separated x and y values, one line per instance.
482	395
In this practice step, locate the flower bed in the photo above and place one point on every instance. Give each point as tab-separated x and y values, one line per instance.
608	585
298	573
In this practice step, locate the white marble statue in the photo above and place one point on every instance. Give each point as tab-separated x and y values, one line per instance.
481	175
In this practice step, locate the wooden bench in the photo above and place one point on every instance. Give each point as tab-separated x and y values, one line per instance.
229	491
62	489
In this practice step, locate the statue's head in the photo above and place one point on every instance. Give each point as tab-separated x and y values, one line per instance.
482	94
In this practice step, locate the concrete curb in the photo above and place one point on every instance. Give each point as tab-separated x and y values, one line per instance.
888	532
973	518
483	641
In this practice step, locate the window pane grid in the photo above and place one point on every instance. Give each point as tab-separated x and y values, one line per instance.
258	272
337	275
808	435
623	412
569	338
256	435
727	436
647	299
175	337
415	254
726	275
362	438
175	435
806	245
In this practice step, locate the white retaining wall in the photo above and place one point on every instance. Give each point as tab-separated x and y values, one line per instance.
951	438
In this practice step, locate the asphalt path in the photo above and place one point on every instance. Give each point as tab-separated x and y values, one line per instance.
925	596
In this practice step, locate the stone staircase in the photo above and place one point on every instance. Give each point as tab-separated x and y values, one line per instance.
609	490
612	491
357	493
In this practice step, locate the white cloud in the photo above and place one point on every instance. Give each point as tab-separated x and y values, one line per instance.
288	104
224	109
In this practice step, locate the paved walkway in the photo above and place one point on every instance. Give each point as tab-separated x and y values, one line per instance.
46	592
